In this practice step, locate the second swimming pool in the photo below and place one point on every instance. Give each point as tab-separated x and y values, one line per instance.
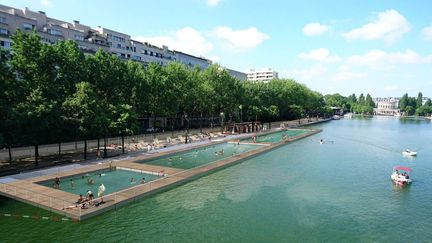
200	156
278	136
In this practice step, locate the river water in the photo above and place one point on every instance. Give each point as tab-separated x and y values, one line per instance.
339	191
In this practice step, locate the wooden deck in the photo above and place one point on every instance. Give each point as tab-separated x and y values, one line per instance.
55	200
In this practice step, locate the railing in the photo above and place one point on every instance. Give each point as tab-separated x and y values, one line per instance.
36	198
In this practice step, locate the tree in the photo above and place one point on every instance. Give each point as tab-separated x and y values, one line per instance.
403	102
419	101
84	110
361	99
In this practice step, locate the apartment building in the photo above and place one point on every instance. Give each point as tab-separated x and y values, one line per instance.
89	40
263	75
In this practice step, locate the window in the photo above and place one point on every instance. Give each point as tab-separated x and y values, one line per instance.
4	32
28	26
145	52
2	20
119	46
5	44
135	57
55	32
79	37
151	53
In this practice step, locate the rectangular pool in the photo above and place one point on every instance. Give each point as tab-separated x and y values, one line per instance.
277	136
201	156
115	180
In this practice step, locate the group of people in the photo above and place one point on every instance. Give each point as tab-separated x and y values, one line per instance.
88	200
220	152
151	147
403	174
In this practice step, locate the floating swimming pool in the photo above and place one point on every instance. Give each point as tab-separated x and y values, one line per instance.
204	155
277	136
115	180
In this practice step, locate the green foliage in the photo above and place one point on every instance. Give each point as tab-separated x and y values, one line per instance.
55	93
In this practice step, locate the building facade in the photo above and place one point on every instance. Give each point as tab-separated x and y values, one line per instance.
387	107
263	75
89	40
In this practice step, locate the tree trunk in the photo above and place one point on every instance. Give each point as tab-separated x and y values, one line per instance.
59	150
85	149
10	155
253	127
105	149
122	143
98	144
36	155
200	122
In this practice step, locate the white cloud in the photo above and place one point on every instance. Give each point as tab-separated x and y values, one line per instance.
381	59
239	40
215	58
389	26
306	74
348	75
427	32
321	55
314	29
391	88
187	40
213	3
46	3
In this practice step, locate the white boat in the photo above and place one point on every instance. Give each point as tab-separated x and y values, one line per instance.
401	175
408	152
348	115
336	117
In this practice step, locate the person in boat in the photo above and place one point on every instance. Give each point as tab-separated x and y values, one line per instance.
142	181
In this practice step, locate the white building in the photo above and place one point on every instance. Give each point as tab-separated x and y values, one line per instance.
263	75
387	106
89	40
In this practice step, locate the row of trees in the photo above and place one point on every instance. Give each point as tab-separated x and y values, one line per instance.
360	105
56	93
415	106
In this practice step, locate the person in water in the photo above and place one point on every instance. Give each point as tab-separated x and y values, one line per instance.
57	183
142	181
72	183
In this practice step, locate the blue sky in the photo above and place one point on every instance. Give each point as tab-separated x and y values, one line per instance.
379	47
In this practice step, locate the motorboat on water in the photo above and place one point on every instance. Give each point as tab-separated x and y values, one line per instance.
336	117
348	115
401	175
408	152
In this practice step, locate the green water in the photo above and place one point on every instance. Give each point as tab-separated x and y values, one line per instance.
201	156
305	191
114	180
277	136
